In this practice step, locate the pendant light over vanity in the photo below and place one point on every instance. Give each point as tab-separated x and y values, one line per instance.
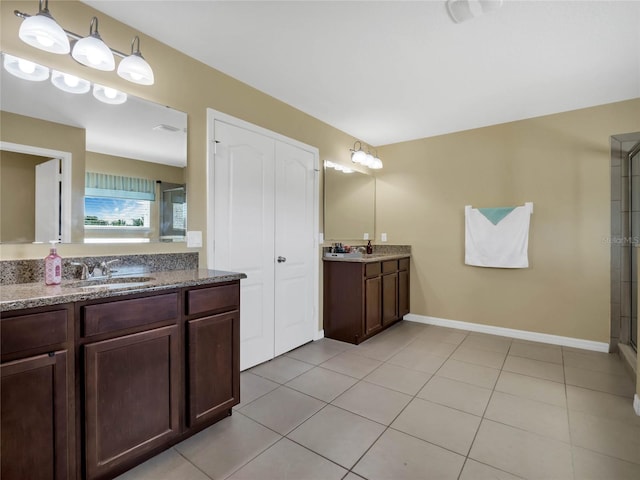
43	32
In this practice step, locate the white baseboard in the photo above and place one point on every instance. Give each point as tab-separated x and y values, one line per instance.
318	335
636	404
510	332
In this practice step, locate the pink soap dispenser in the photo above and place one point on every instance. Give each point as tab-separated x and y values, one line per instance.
53	266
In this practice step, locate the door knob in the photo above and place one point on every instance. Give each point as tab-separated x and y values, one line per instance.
281	259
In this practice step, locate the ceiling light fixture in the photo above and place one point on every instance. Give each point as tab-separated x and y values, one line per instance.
366	159
134	67
42	31
358	156
463	10
339	168
109	95
28	70
92	51
69	83
25	69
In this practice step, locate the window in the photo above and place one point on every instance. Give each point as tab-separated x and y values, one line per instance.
117	208
116	213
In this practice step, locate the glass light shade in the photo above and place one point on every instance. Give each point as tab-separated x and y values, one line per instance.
93	52
368	160
377	164
25	69
42	31
136	69
358	157
69	83
109	95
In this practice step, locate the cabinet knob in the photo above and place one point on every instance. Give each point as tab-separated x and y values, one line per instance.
282	259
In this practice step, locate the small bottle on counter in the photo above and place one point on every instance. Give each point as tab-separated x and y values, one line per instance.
369	248
53	266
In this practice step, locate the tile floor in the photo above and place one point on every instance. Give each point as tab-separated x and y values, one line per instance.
420	402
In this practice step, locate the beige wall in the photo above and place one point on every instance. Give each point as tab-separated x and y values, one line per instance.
561	163
18	196
182	83
40	133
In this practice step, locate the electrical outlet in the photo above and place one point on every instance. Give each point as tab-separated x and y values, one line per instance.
194	239
366	236
383	237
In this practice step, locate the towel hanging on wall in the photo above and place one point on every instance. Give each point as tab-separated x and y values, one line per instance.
497	237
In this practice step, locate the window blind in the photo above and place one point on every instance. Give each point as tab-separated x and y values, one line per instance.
114	186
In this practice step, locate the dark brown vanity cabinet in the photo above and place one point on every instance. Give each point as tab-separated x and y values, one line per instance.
91	389
363	298
132	381
36	394
213	353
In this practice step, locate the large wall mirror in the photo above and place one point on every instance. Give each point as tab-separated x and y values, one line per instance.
349	204
105	172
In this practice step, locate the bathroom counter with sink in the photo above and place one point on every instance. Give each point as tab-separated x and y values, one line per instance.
28	295
364	258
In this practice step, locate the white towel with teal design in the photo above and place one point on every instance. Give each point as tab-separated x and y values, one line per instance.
497	237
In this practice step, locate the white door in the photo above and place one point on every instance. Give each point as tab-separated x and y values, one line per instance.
264	208
294	247
48	197
244	232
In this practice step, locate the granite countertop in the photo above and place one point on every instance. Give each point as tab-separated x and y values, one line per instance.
368	258
28	295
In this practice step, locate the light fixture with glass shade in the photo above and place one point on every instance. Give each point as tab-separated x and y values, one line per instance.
368	162
92	51
25	69
337	167
366	159
43	32
358	156
109	95
69	83
134	67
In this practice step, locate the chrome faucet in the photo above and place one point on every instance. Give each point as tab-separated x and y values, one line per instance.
86	272
105	267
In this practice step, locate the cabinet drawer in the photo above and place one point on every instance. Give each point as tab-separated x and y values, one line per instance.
28	332
123	314
213	299
390	266
372	269
403	264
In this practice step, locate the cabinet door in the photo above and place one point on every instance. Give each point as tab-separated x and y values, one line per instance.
132	390
34	418
389	298
403	293
214	366
373	304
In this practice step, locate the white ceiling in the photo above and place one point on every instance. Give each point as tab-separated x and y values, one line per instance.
390	71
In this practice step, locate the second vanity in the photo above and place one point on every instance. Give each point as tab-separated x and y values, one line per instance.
364	295
96	380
